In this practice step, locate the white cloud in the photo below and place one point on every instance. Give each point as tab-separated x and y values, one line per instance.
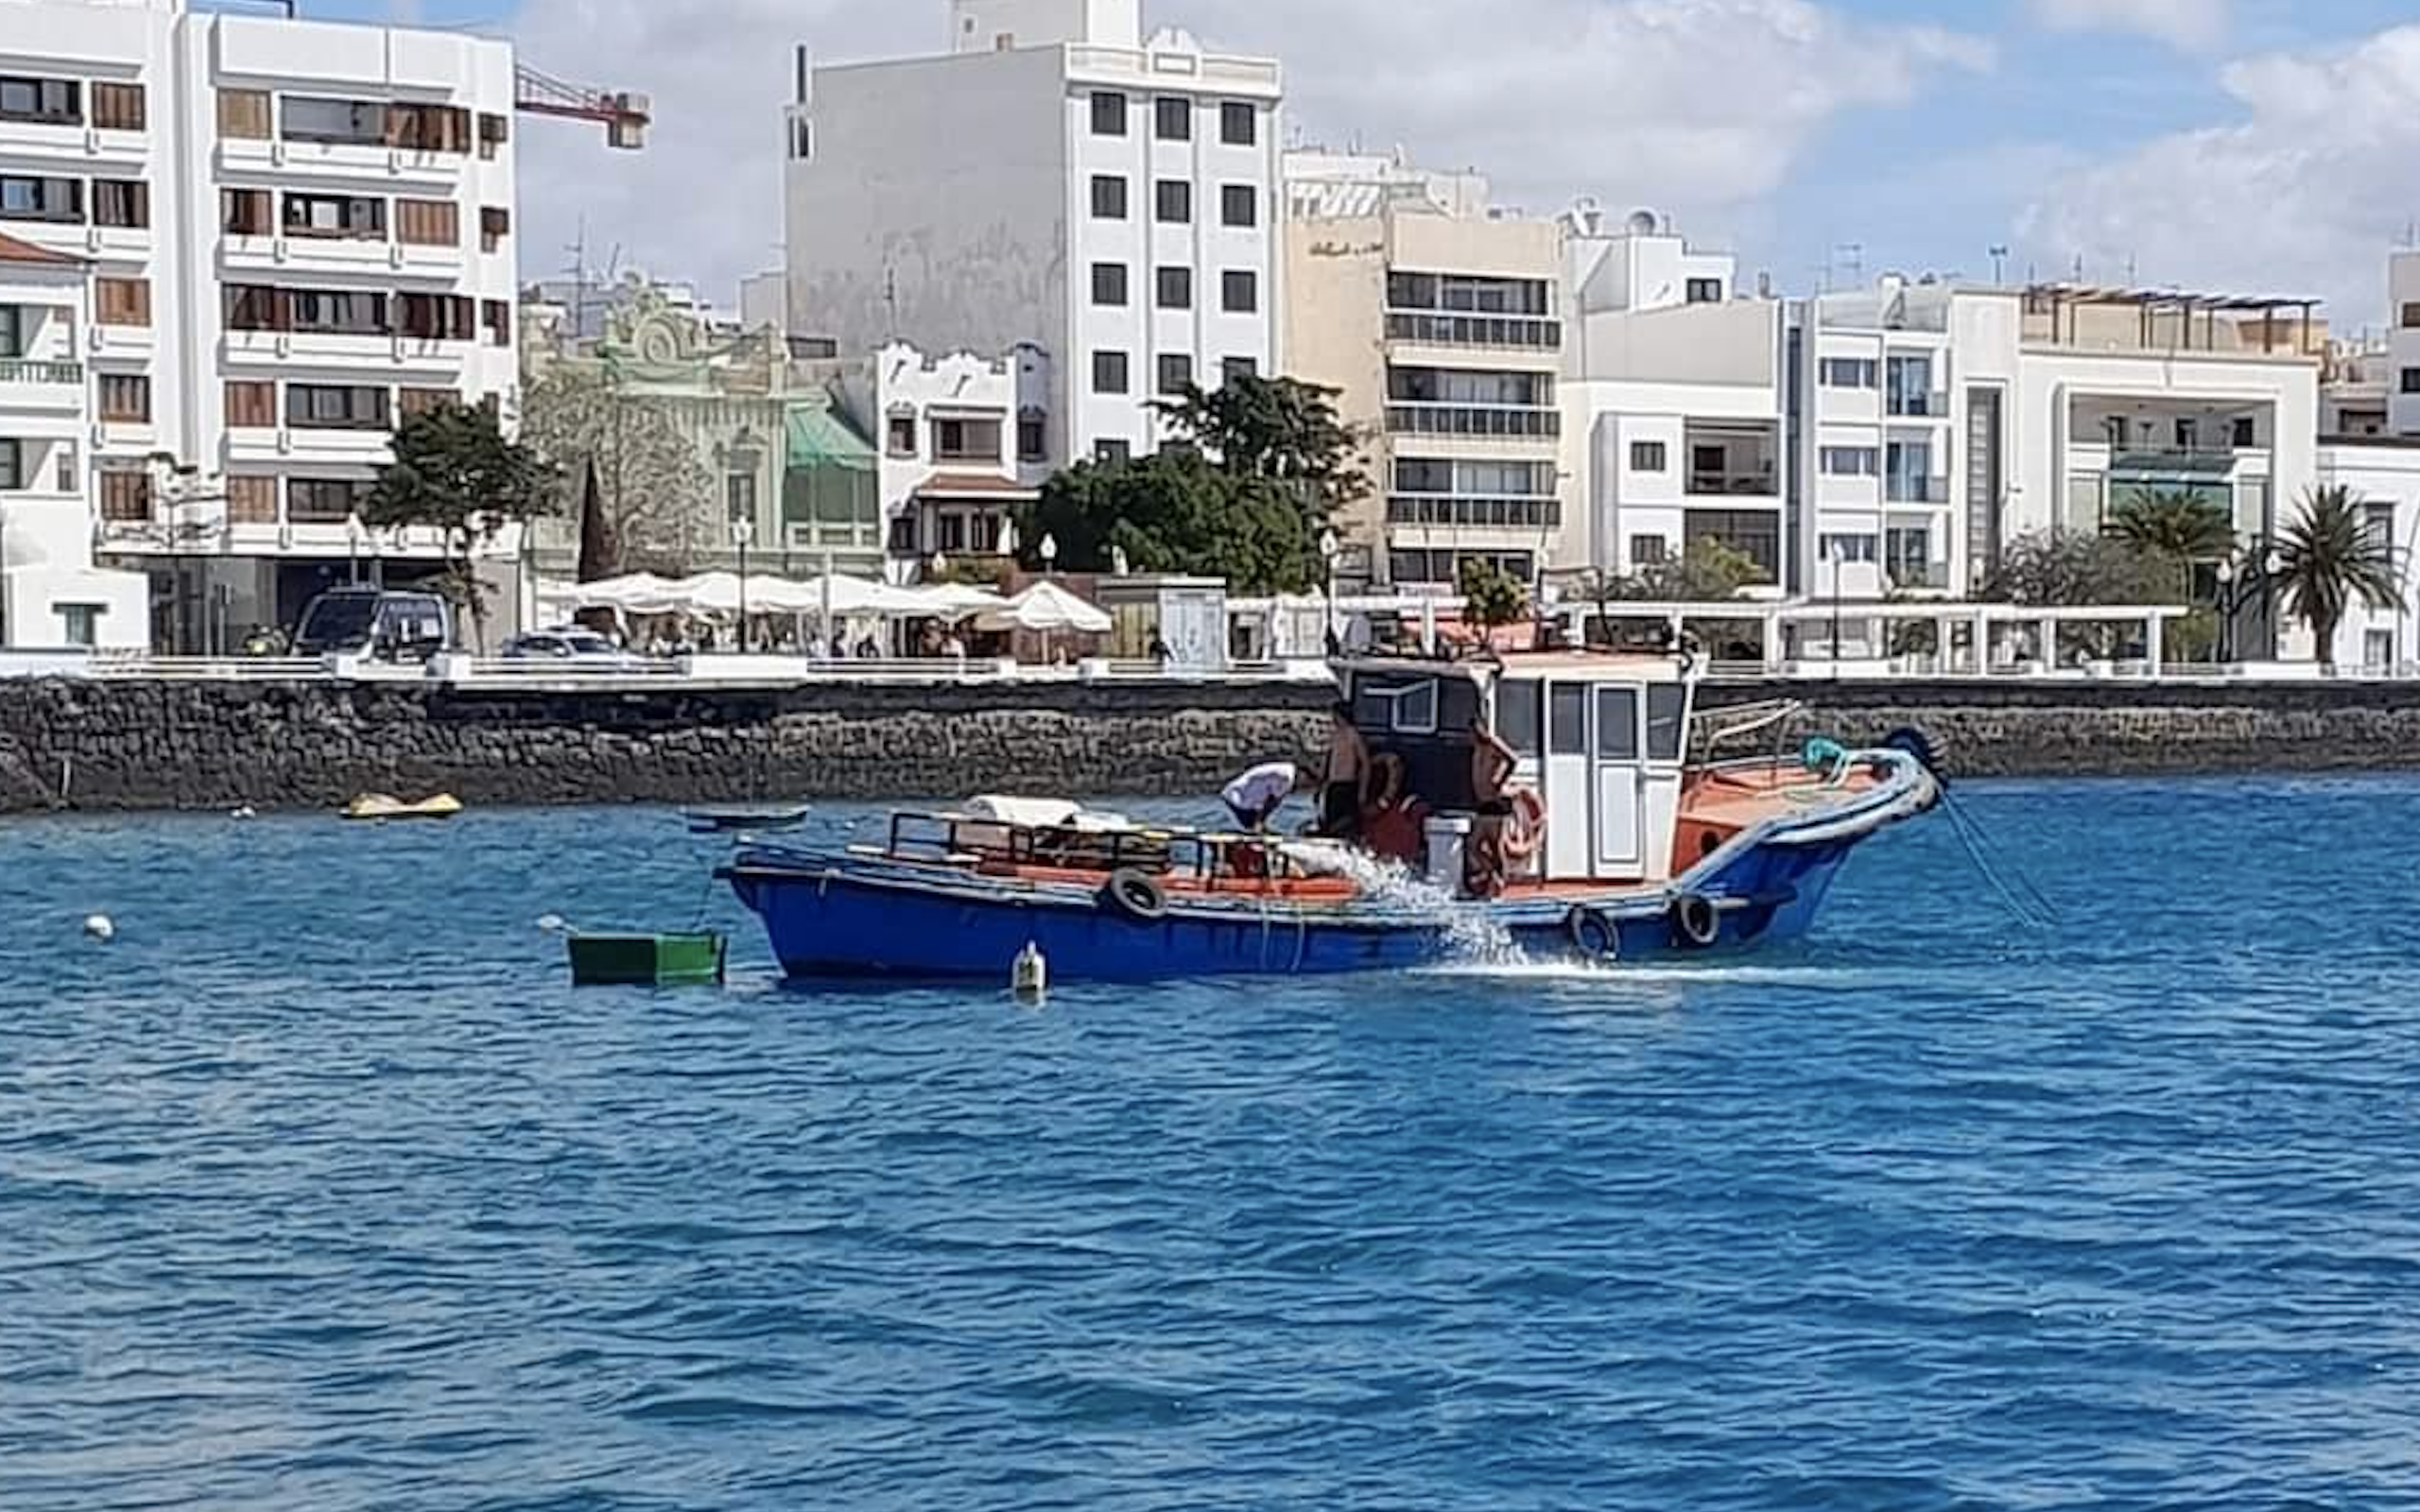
2302	195
1698	106
2190	23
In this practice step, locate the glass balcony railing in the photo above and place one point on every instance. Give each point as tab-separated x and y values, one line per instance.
20	370
2157	460
1915	490
1502	331
1511	421
1754	482
1933	405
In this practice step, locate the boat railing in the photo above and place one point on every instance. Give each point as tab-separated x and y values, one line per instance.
994	844
1738	723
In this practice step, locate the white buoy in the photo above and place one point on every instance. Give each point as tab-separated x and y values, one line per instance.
1030	978
245	812
100	927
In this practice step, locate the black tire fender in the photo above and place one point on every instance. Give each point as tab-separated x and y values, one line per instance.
1135	895
1592	932
1696	922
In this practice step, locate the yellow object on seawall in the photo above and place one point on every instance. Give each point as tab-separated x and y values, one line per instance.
384	806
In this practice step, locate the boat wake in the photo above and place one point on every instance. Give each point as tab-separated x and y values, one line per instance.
1473	940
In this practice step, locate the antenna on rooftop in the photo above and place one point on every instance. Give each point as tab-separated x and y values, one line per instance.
2000	264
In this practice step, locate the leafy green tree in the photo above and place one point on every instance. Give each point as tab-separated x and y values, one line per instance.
1492	597
2329	559
1257	472
453	472
2061	569
646	497
2178	527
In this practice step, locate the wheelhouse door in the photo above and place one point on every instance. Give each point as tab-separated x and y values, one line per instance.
1620	851
1569	828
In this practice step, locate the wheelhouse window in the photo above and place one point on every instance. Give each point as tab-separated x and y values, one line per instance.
1398	704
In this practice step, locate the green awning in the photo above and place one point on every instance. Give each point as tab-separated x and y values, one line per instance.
817	438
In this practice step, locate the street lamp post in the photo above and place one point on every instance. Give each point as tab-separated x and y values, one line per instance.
352	550
2239	580
743	532
1330	548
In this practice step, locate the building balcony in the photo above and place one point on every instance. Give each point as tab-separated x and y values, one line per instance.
1915	490
2175	461
341	160
1919	576
1465	512
298	255
1491	333
1729	483
1478	422
44	388
1934	405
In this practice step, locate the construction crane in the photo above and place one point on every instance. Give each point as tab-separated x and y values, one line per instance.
624	116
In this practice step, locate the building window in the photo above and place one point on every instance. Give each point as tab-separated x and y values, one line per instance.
336	407
900	434
1175	288
252	406
2377	524
1109	197
495	224
1034	440
428	222
243	115
1647	551
244	212
1705	291
1109	372
1109	452
81	624
1846	548
2246	433
1109	284
496	320
347	312
341	123
125	202
1239	291
494	132
1648	457
1172	118
122	300
12	464
966	440
1176	372
118	106
1231	368
12	332
1238	205
350	218
1109	114
30	199
252	500
1852	461
429	127
325	501
411	402
126	398
1173	202
50	101
2412	380
1849	373
126	496
1240	124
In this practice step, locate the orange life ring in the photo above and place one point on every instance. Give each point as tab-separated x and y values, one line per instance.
1527	832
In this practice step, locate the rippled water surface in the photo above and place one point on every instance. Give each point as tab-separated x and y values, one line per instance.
321	1189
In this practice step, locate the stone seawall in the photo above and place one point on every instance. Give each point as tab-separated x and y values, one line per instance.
2024	729
125	745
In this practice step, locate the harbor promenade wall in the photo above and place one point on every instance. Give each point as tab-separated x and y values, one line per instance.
167	745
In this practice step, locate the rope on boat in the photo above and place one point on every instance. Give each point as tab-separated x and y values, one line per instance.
2025	901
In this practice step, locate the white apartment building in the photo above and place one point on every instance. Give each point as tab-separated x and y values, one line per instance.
1441	325
956	459
2403	343
1055	180
297	231
1673	401
51	595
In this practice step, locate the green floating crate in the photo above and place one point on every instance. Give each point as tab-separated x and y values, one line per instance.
646	960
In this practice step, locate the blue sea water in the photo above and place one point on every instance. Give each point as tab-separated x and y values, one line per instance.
321	1189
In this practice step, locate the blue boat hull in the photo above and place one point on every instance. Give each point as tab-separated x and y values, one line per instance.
827	918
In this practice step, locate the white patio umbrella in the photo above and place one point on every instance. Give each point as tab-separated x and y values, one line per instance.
956	601
1049	609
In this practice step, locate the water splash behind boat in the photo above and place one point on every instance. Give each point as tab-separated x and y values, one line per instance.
1474	940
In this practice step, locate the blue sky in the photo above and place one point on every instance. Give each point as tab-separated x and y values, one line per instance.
2217	142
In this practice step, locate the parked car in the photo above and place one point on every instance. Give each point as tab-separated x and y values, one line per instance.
375	621
571	645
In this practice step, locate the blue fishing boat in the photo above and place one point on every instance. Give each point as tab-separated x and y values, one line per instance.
1555	805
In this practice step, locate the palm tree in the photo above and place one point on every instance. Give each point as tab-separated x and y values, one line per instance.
2175	527
2330	558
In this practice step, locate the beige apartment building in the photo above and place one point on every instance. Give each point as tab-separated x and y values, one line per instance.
1440	322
